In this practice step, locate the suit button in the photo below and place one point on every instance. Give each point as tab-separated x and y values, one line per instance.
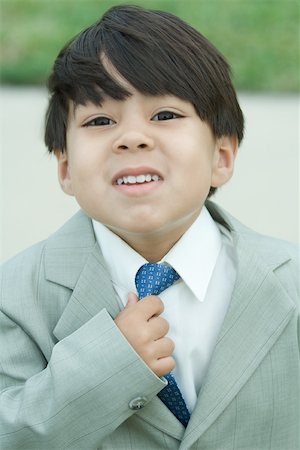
138	403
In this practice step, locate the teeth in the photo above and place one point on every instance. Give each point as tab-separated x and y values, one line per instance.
131	179
141	178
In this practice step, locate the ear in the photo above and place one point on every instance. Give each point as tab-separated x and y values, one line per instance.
224	157
64	176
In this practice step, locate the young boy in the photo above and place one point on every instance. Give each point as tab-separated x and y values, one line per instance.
145	125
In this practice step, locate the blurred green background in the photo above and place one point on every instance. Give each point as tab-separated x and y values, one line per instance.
260	38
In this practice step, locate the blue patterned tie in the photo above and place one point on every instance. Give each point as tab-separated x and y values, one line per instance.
152	279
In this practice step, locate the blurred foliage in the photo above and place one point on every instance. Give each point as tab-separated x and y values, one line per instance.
260	38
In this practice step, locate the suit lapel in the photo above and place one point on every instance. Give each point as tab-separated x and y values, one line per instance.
92	293
73	259
258	313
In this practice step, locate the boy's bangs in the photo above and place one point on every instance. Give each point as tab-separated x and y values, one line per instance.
146	69
84	79
88	79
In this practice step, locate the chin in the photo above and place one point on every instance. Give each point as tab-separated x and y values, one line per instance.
140	227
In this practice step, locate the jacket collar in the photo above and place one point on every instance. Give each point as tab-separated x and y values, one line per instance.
73	259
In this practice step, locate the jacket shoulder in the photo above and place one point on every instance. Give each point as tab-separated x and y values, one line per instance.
19	280
276	255
25	261
23	271
270	247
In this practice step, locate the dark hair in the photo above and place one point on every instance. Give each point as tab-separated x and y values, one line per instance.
157	53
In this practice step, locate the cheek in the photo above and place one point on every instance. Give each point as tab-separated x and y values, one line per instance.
82	161
196	168
196	161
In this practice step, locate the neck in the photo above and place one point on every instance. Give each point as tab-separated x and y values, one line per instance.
153	250
153	246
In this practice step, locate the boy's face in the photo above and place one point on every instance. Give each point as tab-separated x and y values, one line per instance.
113	149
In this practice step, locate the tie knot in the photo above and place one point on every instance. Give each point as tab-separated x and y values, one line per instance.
152	279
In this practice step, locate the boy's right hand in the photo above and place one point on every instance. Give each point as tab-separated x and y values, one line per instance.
145	330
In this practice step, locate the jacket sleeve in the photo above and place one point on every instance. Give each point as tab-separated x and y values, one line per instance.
84	389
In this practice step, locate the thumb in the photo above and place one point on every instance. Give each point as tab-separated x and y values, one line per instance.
132	300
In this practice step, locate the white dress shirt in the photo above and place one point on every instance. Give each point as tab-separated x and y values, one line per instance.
195	306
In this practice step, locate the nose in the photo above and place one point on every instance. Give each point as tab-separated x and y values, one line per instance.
133	141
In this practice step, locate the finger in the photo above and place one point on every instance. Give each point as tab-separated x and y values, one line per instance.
151	306
132	300
163	366
164	347
159	327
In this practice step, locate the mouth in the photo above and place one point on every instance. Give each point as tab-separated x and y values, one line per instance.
138	175
137	181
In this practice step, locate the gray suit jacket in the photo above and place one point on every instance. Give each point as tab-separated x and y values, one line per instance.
68	376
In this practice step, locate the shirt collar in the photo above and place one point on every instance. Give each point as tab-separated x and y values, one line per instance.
193	257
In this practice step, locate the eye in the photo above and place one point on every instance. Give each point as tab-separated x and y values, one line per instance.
99	122
166	115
